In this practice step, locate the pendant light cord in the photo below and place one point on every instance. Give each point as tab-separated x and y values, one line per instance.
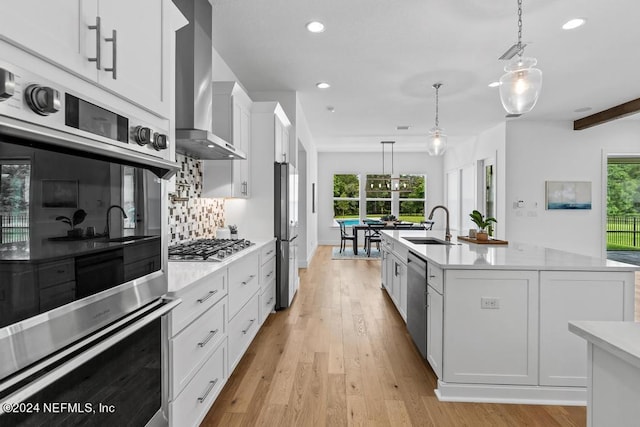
520	48
437	86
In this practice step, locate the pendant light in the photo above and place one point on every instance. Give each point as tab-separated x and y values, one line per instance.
437	143
520	86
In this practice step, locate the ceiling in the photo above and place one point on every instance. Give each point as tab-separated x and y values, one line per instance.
382	57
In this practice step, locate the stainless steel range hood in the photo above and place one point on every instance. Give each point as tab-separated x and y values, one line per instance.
194	93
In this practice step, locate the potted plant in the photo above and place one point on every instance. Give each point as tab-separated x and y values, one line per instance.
482	224
76	219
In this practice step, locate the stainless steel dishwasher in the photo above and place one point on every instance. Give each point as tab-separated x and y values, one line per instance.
417	301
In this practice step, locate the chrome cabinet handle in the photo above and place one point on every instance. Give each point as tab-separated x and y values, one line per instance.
270	252
208	338
114	48
269	275
431	276
212	384
248	280
269	302
97	58
244	331
206	297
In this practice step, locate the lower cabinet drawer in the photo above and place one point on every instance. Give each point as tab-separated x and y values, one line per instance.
268	271
242	329
243	282
194	402
190	348
197	299
267	300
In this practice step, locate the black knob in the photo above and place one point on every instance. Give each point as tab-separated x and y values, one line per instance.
7	84
142	135
43	100
160	141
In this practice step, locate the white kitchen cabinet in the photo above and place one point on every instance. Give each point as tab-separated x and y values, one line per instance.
231	122
59	32
574	296
491	345
244	282
435	313
56	30
242	329
281	137
399	285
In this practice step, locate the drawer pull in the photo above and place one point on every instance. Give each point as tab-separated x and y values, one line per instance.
269	275
212	384
209	295
248	280
60	271
249	326
270	252
432	276
269	302
208	338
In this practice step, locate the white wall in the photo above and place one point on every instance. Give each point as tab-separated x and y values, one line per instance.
541	151
363	163
490	144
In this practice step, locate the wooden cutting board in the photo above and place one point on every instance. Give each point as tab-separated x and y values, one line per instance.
491	241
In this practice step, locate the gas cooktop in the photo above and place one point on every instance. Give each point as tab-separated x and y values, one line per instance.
207	249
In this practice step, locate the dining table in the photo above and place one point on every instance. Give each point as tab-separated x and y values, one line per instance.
426	225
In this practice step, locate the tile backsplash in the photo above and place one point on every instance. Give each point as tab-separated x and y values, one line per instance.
195	218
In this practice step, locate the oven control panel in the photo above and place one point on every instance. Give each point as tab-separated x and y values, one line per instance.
33	99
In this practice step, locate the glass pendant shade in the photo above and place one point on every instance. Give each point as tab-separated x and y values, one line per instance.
437	143
520	86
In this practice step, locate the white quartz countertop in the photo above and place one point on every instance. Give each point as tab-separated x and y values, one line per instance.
619	338
514	256
183	273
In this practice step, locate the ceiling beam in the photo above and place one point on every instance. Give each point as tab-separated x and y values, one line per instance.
605	116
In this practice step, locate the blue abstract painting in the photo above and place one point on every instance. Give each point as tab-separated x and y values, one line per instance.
568	194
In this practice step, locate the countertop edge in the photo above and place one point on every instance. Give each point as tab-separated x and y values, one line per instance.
616	337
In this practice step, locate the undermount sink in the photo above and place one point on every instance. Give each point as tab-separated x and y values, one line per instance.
427	241
127	239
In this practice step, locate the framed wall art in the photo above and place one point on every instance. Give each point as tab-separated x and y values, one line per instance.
59	193
568	195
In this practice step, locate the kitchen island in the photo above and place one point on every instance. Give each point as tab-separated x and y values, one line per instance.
497	315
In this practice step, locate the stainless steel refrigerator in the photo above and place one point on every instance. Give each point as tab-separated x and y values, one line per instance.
286	230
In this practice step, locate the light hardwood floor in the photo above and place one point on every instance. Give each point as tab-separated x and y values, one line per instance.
341	355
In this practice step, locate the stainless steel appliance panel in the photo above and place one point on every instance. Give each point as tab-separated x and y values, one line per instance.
417	302
282	274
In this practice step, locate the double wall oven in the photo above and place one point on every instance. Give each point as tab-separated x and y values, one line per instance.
82	271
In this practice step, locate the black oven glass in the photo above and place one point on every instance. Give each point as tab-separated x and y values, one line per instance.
121	386
83	115
53	215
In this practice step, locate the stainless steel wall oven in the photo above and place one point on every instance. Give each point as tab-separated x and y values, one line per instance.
82	258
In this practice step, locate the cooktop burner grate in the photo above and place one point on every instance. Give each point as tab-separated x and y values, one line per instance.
207	249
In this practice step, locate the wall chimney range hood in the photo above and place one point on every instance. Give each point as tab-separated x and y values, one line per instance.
194	94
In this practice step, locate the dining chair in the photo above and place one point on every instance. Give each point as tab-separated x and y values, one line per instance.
373	236
344	237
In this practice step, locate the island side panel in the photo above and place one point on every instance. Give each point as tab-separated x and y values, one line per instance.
570	296
497	345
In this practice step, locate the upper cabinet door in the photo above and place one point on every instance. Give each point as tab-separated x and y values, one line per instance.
133	32
56	30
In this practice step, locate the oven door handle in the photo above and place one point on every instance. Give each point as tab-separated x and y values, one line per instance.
40	383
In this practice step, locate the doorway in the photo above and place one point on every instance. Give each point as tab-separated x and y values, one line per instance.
623	209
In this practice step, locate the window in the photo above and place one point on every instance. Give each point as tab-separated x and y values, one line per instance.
15	177
411	202
346	196
378	196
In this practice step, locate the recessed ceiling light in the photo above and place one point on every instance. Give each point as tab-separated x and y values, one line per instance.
494	84
315	27
402	127
210	145
331	109
323	85
582	110
574	23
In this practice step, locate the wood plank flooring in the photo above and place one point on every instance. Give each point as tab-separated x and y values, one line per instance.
341	356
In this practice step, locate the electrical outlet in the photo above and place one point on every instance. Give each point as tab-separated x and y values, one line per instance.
490	303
